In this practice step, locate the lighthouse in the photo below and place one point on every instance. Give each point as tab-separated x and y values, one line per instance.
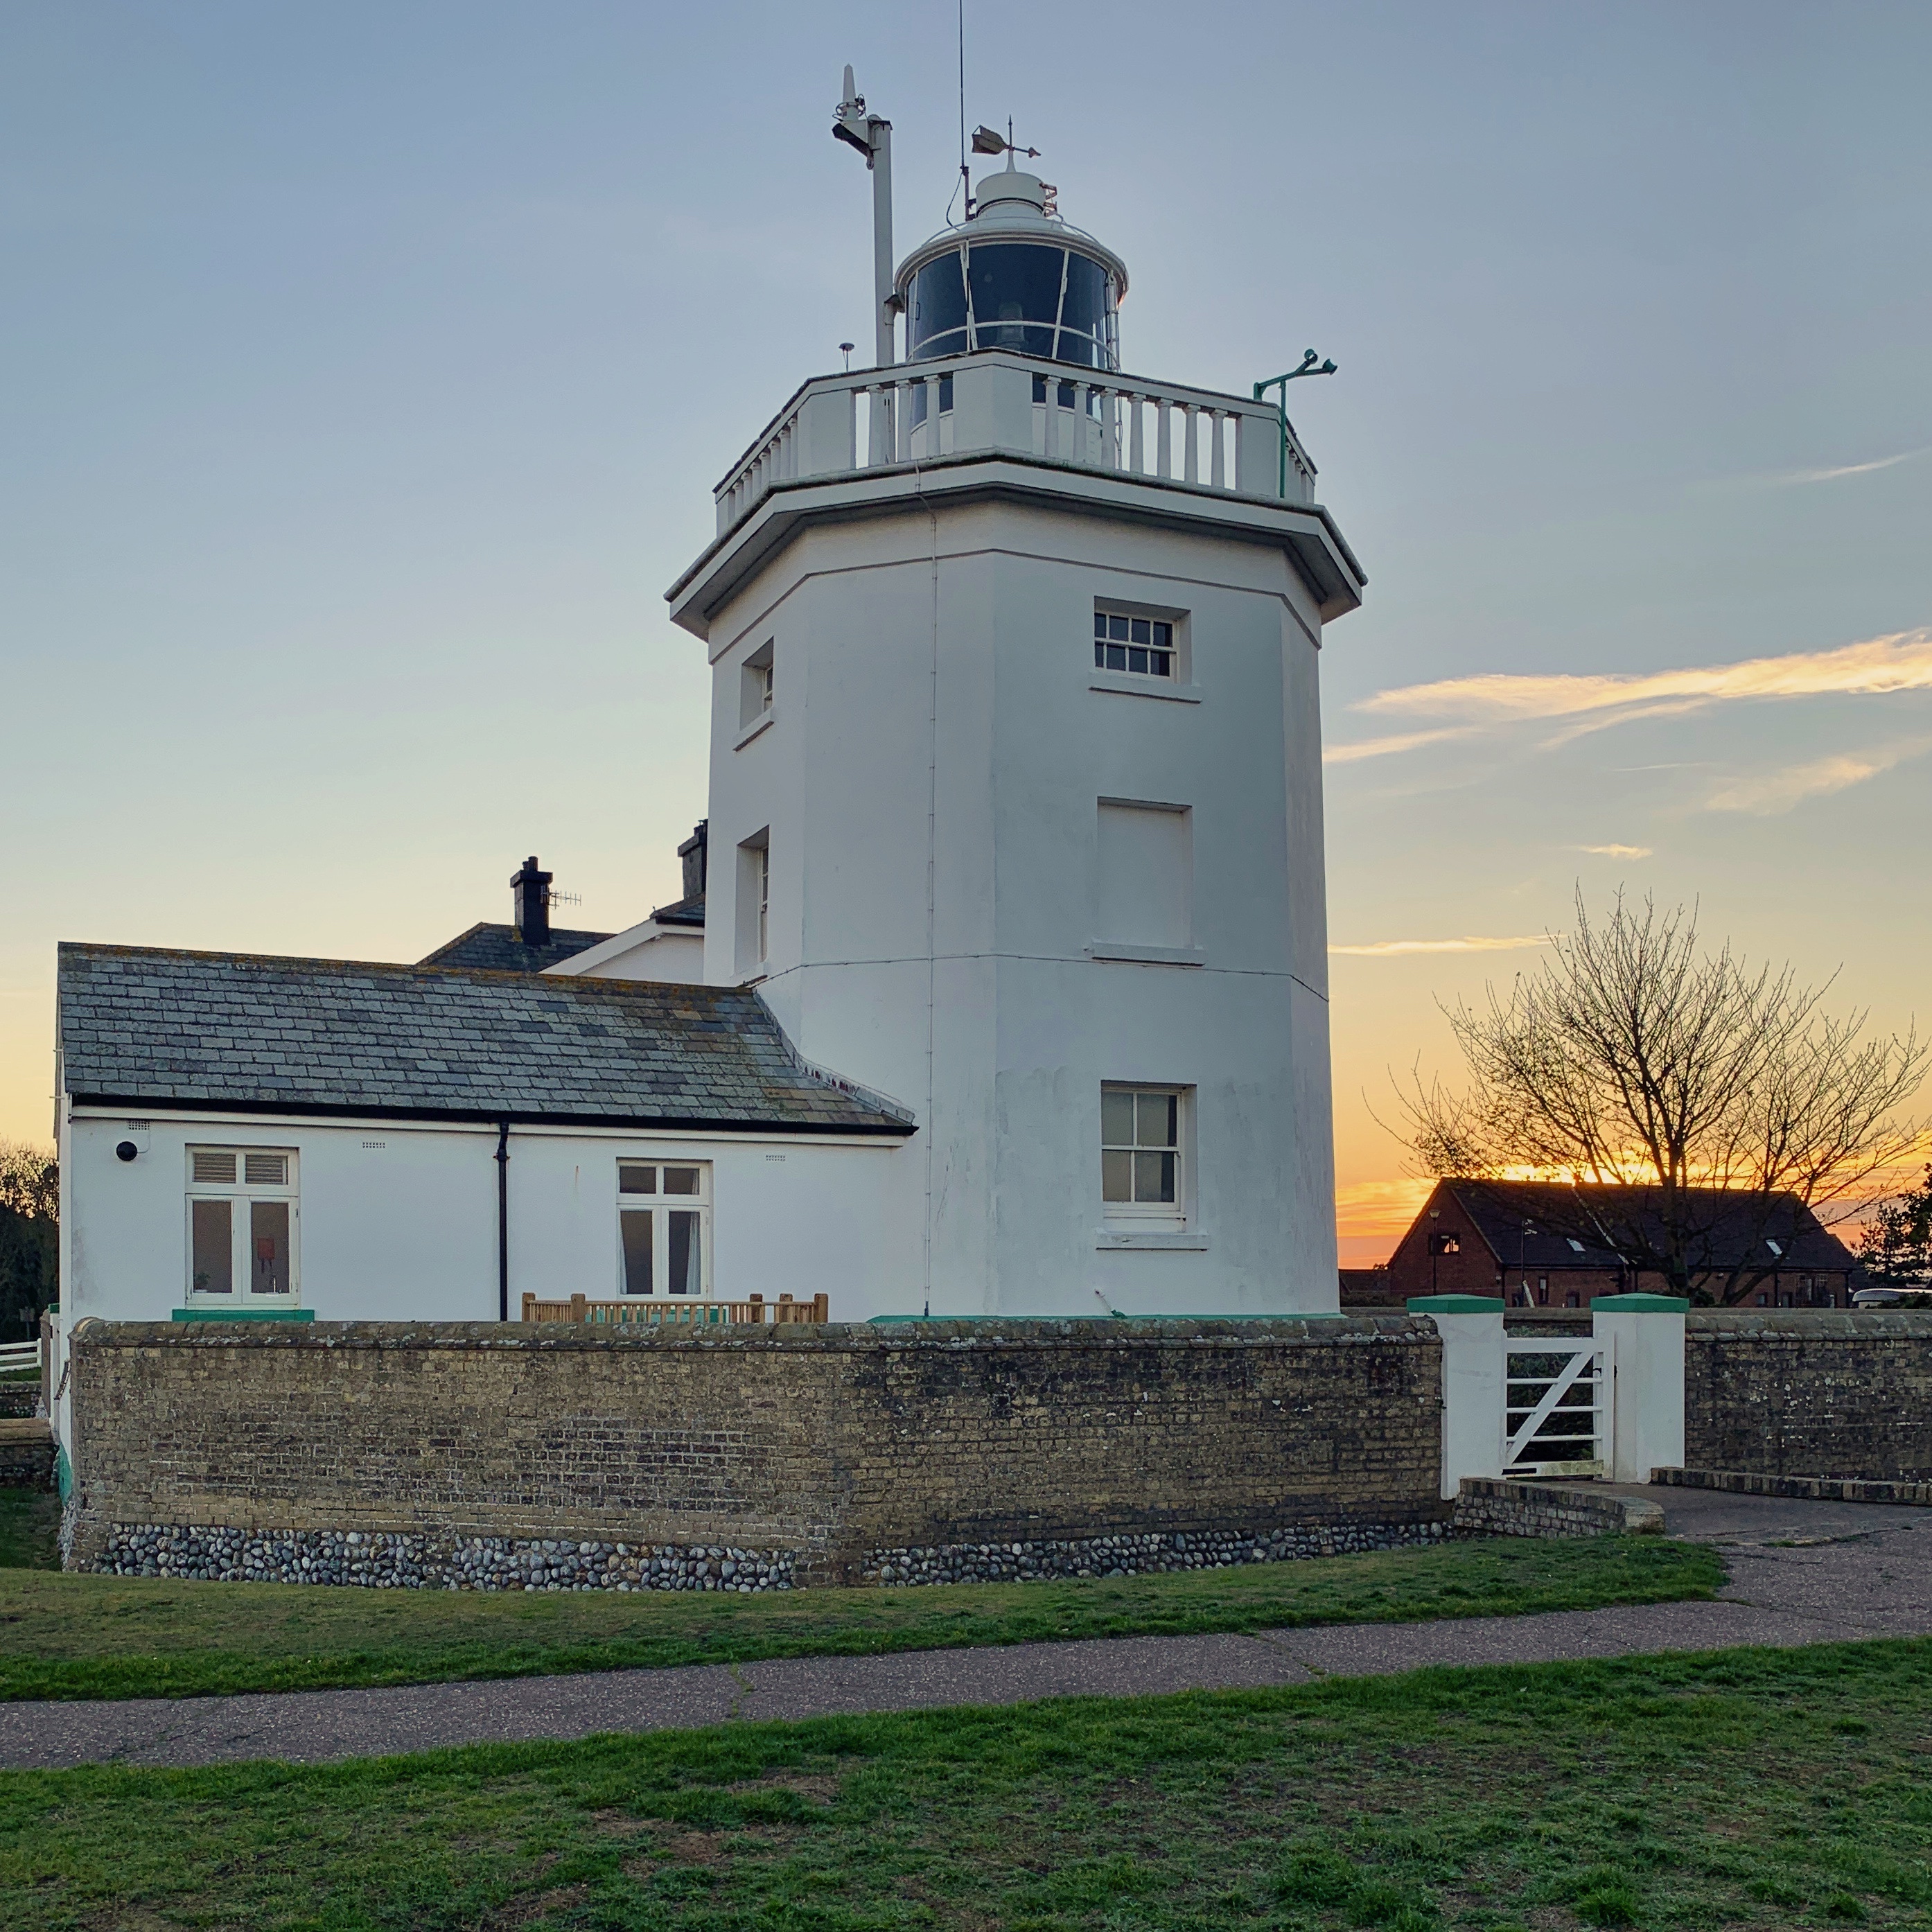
1015	786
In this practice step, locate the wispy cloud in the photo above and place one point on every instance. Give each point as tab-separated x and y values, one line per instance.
1774	792
1380	747
1617	851
1791	476
1902	662
1379	1211
1389	949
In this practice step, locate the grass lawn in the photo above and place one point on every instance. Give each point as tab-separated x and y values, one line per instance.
114	1636
29	1529
1742	1789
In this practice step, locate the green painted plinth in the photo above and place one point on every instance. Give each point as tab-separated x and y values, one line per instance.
245	1315
1455	1304
1643	1304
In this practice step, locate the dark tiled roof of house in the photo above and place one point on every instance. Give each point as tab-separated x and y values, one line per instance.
244	1032
497	949
1586	1227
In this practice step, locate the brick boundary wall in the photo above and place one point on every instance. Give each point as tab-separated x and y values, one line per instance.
26	1455
1811	1489
1809	1392
1490	1506
828	1450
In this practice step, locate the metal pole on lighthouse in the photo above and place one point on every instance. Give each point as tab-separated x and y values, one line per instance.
871	134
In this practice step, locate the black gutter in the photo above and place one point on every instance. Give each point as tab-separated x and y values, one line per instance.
343	1110
503	1220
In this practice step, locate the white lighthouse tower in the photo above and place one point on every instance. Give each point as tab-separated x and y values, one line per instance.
1015	811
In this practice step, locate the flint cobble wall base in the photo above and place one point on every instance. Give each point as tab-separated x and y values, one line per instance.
1809	1392
1135	1556
821	1447
378	1560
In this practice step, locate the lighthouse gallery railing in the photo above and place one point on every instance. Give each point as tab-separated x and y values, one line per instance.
994	403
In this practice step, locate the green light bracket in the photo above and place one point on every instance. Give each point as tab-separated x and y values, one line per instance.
1311	365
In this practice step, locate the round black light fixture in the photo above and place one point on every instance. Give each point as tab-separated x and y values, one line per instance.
126	1151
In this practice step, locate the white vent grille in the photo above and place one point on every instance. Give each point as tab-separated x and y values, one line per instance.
213	1168
265	1170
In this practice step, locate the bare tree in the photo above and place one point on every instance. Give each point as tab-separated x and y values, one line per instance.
29	1236
29	1180
1696	1105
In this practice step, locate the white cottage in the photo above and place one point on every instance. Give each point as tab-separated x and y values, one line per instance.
1007	991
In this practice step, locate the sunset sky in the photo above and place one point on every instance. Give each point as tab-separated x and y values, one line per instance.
368	369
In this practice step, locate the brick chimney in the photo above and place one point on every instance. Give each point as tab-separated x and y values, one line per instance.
532	917
693	852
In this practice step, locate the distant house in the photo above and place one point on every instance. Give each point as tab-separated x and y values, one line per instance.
667	947
1547	1245
1368	1287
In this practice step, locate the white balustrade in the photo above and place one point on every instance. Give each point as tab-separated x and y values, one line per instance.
998	403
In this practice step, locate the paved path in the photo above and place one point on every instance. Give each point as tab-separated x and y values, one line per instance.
1801	1572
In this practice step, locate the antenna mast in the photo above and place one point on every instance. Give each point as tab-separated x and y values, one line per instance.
871	134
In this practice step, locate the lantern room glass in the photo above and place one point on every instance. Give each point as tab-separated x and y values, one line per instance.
1034	297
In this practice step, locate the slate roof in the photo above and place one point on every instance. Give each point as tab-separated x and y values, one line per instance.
682	912
497	948
245	1032
1732	1226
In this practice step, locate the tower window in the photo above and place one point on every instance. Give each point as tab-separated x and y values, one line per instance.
754	687
1143	646
754	900
1140	1177
1144	892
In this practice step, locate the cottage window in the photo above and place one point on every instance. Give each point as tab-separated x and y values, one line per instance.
1143	646
242	1216
664	1227
1140	1166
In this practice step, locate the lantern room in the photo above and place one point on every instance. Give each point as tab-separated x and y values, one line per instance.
1015	276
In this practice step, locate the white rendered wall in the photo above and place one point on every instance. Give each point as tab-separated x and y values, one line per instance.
645	951
933	697
406	1230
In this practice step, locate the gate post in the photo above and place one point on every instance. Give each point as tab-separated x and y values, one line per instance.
1646	1335
1473	1386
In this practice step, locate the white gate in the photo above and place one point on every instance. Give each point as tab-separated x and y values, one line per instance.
1610	1403
1558	1416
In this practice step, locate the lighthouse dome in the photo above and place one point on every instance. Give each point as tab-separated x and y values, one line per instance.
1013	276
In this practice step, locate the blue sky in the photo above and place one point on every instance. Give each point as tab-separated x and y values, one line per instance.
368	368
